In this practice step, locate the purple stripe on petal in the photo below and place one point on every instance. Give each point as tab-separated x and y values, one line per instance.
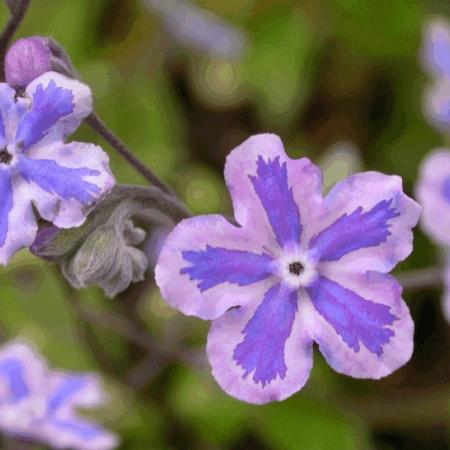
6	204
2	132
49	105
217	265
272	187
68	388
354	318
7	101
13	370
262	349
83	430
354	231
445	189
66	182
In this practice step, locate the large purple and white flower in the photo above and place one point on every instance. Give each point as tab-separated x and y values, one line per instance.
435	56
37	169
40	405
298	269
433	192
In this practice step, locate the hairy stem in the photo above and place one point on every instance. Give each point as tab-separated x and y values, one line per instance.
97	124
16	18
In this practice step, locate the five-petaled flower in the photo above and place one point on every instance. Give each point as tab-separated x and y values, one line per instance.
433	192
40	405
435	57
299	268
38	171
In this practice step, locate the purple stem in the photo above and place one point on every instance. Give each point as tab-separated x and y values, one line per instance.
11	27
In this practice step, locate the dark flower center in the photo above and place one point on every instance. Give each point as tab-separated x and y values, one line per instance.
296	268
5	157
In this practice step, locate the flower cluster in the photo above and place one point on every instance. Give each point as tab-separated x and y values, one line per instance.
40	404
298	269
436	60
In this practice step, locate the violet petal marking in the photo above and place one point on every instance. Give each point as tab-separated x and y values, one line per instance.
353	317
6	204
7	94
445	189
49	105
2	133
262	349
217	265
12	370
81	429
271	184
354	231
64	181
69	387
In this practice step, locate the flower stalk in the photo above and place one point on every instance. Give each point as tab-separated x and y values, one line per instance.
17	16
97	124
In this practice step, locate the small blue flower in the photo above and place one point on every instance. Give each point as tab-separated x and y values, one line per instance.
41	405
299	268
37	168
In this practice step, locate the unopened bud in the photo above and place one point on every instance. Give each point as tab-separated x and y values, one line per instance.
30	57
108	259
103	251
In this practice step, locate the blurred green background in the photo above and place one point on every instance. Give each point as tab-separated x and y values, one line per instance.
318	73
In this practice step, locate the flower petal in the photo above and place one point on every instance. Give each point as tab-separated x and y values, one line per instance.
77	434
6	204
272	195
355	319
217	265
436	49
361	323
7	100
433	192
261	354
68	391
58	105
437	104
22	372
350	232
446	281
61	427
208	265
66	180
367	224
18	226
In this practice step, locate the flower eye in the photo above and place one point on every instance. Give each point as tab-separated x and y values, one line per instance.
5	157
296	268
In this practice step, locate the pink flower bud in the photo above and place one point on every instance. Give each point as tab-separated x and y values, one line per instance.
26	60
